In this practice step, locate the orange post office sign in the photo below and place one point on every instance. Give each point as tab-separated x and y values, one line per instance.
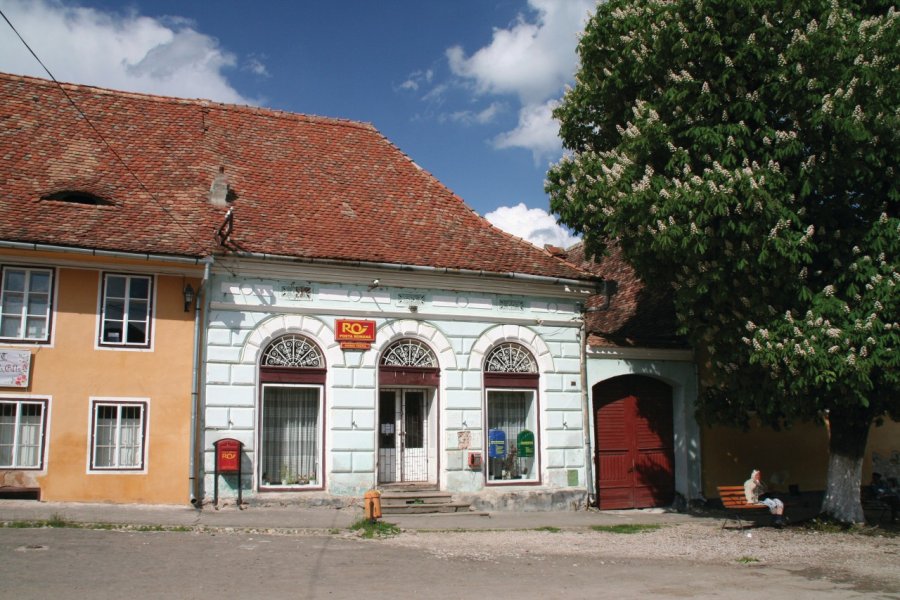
353	330
228	456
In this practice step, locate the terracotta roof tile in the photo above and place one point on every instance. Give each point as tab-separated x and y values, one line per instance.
303	186
637	316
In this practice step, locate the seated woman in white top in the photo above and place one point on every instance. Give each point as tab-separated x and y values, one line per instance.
754	488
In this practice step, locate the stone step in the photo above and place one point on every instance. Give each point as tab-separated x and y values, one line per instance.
411	509
415	497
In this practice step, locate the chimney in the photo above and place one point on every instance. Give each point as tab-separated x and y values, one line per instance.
218	191
556	251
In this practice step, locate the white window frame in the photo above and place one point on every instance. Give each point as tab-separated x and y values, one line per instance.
23	315
531	423
148	320
117	446
320	439
16	443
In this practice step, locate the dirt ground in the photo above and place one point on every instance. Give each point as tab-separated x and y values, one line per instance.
676	561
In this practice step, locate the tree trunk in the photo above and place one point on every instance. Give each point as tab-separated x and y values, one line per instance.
849	432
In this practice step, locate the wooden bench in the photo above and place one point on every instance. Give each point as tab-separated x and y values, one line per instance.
734	501
872	504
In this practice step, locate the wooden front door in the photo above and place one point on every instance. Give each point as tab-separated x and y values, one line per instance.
634	447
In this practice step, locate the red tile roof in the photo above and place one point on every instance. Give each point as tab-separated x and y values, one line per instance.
303	186
637	316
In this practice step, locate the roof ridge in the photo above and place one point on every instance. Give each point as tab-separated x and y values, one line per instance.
199	102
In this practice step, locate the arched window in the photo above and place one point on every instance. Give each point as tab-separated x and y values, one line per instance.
511	380
510	358
409	353
292	351
409	362
291	416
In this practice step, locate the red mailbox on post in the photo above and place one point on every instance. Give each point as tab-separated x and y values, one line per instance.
228	460
228	456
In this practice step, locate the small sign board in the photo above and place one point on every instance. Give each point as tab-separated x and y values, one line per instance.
464	439
496	443
296	292
15	368
525	443
354	330
356	346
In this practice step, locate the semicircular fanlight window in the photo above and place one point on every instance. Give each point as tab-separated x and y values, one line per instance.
408	353
293	351
510	358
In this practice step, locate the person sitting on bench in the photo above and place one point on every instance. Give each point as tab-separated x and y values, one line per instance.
755	491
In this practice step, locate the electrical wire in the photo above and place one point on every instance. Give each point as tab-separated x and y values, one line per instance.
140	183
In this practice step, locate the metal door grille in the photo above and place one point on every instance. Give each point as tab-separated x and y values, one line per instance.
403	436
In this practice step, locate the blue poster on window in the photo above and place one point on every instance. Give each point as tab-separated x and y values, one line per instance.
496	443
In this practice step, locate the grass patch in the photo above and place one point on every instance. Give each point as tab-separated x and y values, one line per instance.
825	525
626	528
23	524
372	529
56	521
549	528
746	560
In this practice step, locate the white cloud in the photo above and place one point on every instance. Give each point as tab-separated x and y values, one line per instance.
417	79
537	131
118	50
256	66
532	60
532	224
481	117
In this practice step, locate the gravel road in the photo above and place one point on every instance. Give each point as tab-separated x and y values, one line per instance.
872	561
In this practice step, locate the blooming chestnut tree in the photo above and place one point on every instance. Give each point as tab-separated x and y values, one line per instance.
745	153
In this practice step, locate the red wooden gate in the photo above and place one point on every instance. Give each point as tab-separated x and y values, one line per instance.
634	449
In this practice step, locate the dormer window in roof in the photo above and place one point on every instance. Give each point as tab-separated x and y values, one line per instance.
78	197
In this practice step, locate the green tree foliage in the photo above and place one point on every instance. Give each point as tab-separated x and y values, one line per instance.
745	152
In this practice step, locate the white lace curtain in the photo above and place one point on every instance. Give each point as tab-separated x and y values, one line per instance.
20	434
290	435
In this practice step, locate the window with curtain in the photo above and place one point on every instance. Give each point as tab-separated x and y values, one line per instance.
290	438
25	304
118	436
511	413
125	319
21	434
511	435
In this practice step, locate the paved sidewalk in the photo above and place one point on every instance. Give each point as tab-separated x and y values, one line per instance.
303	517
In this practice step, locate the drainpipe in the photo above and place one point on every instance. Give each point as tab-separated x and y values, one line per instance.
196	443
586	410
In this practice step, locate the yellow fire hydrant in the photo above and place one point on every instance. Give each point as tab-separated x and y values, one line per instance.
372	504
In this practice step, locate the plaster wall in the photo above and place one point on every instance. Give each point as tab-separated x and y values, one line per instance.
678	372
796	456
71	371
460	328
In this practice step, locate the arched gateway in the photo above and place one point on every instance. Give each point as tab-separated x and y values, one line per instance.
634	446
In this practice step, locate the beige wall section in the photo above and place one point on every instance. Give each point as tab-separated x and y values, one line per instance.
796	456
883	451
73	371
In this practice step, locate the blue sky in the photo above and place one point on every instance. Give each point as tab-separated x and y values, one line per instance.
464	87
